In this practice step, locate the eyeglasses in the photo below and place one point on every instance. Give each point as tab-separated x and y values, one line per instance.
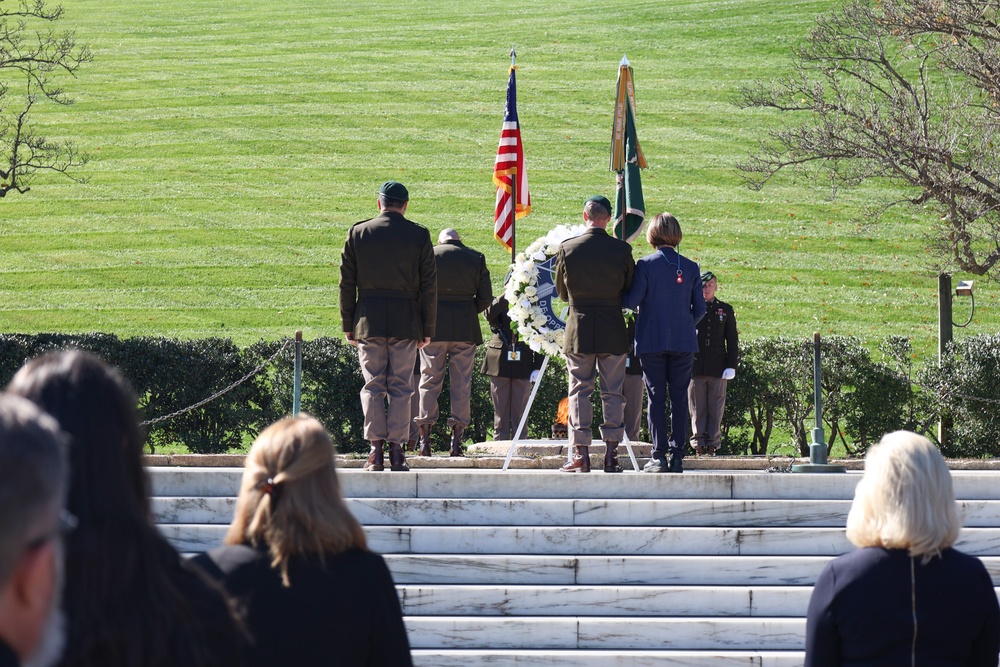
67	524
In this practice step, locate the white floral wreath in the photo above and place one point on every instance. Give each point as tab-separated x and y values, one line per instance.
522	292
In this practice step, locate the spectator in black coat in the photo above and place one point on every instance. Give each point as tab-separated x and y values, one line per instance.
296	562
130	599
906	597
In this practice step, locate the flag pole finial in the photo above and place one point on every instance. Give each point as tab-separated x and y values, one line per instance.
624	62
512	56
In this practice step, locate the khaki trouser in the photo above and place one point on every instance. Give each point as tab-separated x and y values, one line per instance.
706	401
583	369
415	402
459	357
510	398
387	366
634	403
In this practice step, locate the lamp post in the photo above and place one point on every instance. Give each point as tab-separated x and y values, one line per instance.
818	450
945	324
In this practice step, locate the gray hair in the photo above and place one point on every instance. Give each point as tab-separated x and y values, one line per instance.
34	470
448	234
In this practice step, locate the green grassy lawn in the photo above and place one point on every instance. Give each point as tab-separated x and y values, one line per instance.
233	142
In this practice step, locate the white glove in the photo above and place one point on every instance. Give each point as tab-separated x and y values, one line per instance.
729	374
534	376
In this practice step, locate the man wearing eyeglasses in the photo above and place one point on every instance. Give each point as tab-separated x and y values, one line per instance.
33	474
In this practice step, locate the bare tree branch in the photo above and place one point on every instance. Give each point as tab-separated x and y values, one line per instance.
32	54
903	90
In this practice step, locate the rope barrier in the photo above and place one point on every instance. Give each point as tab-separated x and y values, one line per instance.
262	366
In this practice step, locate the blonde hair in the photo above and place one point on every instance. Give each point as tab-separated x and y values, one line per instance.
664	230
290	498
905	499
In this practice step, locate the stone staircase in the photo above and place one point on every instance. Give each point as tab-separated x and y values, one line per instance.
537	568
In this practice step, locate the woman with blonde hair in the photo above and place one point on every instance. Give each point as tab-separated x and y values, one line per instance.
906	596
296	561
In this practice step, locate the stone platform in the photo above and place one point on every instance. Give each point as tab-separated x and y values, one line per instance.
546	569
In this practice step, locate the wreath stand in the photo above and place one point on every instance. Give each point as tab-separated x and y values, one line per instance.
524	420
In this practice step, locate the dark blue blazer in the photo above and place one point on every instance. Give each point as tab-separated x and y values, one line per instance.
668	311
862	611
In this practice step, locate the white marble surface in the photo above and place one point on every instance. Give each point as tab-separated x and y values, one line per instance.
636	601
608	570
592	658
625	541
607	633
195	481
623	512
193	510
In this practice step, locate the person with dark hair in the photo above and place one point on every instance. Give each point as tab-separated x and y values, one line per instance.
33	478
297	560
463	292
593	270
388	309
667	291
130	599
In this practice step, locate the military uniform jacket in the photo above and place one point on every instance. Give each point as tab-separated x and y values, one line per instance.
464	291
497	362
718	342
388	279
592	271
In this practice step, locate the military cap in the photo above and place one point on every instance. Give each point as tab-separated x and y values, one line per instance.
394	190
706	276
603	201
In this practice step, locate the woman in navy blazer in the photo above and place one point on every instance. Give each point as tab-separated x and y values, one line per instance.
906	597
667	290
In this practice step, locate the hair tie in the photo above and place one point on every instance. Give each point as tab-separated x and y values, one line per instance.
271	488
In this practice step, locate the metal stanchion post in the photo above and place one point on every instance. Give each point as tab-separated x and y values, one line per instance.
817	450
297	381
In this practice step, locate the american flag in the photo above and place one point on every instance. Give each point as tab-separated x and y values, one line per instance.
510	161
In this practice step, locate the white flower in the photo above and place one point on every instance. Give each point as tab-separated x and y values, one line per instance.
530	290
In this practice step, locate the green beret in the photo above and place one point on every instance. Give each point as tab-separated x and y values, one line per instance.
394	190
706	276
603	201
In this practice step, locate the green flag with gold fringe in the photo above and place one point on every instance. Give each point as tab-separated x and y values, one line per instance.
627	160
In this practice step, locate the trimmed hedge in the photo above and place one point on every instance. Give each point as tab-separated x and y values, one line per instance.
865	394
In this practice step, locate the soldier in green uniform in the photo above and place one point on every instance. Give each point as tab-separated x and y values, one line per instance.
463	291
714	365
388	309
593	270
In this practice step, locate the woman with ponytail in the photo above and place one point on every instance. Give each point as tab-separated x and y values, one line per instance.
296	562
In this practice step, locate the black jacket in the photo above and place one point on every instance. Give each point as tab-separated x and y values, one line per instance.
864	607
718	342
341	613
497	362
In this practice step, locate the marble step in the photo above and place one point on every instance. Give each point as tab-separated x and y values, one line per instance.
545	484
739	601
592	541
614	570
590	658
473	512
578	632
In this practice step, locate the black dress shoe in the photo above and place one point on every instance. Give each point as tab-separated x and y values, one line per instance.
676	463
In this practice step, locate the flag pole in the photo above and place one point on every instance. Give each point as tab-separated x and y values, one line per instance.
513	191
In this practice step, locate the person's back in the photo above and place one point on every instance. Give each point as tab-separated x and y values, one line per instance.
878	596
324	616
596	269
130	599
463	292
295	561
